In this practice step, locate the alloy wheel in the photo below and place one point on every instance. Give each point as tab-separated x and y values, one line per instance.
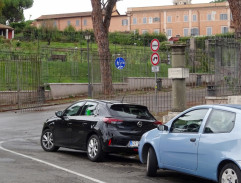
47	140
93	147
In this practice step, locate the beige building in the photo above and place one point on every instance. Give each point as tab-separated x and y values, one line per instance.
182	18
81	21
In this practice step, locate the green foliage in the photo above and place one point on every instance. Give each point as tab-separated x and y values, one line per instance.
20	26
70	28
13	10
134	38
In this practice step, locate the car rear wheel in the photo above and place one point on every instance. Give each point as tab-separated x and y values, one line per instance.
47	141
94	149
230	173
151	165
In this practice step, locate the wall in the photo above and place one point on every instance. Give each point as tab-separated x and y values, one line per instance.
64	90
11	97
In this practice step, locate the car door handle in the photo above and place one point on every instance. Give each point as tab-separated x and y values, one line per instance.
193	139
69	124
85	123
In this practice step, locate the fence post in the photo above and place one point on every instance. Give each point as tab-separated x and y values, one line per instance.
178	73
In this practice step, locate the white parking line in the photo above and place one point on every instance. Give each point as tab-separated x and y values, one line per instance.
50	164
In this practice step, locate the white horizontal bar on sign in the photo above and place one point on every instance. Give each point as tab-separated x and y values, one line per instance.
178	73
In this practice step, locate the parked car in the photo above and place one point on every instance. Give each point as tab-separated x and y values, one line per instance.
203	141
98	127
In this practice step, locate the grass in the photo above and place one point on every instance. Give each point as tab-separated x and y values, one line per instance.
75	69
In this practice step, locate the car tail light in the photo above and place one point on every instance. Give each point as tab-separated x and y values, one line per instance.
112	121
158	123
109	143
136	150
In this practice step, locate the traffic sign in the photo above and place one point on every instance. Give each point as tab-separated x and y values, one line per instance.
120	63
155	59
155	68
155	44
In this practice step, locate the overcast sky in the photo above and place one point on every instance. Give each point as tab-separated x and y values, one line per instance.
45	7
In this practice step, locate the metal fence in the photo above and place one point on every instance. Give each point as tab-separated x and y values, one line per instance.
20	83
135	83
214	71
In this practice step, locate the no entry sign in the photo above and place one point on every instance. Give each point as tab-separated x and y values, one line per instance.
155	59
155	44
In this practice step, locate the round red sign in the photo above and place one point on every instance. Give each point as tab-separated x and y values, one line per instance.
155	44
155	59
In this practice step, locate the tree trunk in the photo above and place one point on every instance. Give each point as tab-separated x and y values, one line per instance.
101	23
235	6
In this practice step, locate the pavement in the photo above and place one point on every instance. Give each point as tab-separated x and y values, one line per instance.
22	159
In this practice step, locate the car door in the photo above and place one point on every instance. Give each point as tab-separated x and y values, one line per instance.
62	128
83	124
181	143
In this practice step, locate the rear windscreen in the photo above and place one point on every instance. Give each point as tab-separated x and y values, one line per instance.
131	111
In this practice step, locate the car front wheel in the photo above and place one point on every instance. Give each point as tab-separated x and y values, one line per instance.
230	173
151	165
94	149
47	141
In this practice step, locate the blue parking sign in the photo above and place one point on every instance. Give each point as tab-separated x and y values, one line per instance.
120	63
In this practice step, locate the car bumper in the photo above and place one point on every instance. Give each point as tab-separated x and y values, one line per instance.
120	149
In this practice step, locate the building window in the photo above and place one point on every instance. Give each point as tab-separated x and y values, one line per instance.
224	29
185	32
150	20
144	31
169	19
223	17
209	31
194	32
213	15
68	23
124	22
156	31
169	32
209	17
134	21
156	19
85	22
144	20
185	18
194	18
77	23
55	24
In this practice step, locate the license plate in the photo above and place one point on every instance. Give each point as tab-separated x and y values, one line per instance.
133	143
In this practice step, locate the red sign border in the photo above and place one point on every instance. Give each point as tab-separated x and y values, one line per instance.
158	59
158	45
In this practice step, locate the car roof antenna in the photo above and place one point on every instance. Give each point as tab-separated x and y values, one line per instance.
123	98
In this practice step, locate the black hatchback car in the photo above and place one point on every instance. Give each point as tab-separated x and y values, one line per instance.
98	127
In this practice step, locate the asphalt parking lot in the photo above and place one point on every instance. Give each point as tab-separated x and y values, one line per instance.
22	159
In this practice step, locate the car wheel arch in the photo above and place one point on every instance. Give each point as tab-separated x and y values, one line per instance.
145	151
222	164
46	128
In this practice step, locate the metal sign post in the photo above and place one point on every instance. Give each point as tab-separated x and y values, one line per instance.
155	59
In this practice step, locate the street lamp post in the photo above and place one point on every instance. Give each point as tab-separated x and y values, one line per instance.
88	37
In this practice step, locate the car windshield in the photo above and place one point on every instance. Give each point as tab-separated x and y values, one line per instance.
130	111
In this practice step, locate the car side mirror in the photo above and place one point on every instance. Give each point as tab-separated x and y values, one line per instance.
162	128
59	114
